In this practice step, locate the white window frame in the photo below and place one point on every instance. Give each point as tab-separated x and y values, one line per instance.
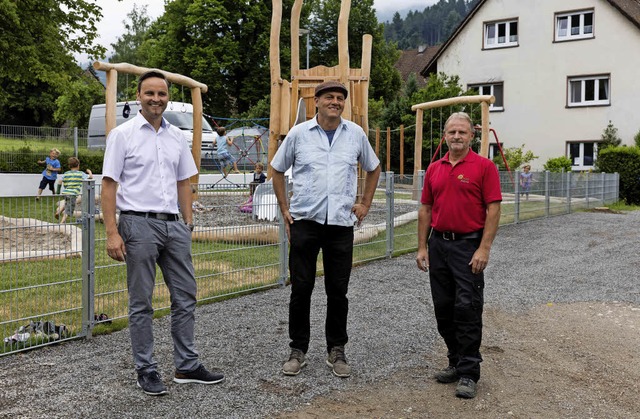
490	34
489	89
565	32
577	87
577	163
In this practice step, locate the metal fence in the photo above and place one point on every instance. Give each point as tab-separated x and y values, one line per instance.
57	282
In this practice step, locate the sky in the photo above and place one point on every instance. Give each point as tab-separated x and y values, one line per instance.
115	12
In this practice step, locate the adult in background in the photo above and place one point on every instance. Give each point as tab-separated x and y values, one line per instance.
324	152
459	216
151	162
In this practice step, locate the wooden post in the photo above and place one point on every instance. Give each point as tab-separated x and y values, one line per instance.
367	46
110	101
274	61
417	153
343	53
484	134
401	151
196	151
388	149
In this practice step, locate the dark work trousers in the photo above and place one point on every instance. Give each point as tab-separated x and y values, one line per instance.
336	242
458	297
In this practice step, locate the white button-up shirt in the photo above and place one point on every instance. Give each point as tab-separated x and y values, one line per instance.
325	176
147	165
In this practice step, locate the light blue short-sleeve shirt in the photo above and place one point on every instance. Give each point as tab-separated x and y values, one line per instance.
325	177
147	165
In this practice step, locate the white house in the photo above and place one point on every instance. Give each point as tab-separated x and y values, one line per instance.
560	71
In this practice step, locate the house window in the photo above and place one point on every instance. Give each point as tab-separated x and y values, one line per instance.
582	155
494	150
574	25
501	34
588	91
495	89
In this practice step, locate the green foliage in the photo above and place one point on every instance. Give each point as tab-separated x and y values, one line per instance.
129	49
39	39
515	157
431	26
626	162
25	160
610	137
74	105
636	139
558	164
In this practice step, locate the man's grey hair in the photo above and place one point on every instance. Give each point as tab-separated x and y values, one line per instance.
460	115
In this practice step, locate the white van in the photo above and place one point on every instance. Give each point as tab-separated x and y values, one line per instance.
177	113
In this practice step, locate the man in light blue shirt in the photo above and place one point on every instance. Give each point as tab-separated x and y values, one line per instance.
324	154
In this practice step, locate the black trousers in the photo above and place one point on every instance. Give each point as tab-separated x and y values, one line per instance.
336	242
458	298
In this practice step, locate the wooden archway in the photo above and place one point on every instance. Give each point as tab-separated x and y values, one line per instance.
197	89
484	100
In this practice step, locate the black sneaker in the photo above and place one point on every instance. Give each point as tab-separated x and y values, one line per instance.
466	388
200	375
152	384
447	375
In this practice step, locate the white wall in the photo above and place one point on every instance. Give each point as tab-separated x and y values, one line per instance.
535	74
27	184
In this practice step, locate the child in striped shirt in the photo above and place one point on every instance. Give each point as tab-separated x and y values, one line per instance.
72	182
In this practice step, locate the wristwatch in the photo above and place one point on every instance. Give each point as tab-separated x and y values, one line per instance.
190	225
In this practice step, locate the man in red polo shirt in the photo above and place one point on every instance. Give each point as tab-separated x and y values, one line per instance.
459	217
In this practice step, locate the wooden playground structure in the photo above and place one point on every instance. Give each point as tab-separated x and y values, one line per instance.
293	101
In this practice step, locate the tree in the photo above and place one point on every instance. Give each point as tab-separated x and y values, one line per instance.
610	137
222	43
515	157
129	49
42	37
74	105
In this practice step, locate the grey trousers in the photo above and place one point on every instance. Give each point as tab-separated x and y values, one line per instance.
168	243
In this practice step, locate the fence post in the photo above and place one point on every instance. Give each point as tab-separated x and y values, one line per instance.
75	141
421	185
284	241
569	192
88	255
617	188
389	192
516	201
604	189
586	189
547	194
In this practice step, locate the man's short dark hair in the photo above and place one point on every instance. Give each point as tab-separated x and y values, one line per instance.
149	74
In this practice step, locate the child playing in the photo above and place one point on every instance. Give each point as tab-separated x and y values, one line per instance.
72	182
525	181
258	178
50	173
225	158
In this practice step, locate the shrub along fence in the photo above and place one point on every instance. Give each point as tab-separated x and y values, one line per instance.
57	282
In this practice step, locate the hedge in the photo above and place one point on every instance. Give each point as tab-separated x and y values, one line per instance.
625	161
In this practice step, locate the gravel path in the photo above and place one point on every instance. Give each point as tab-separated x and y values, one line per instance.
579	257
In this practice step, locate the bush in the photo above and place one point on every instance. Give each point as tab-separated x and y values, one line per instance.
636	139
626	162
25	160
558	164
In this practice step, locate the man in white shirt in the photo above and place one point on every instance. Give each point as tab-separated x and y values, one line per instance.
324	153
150	161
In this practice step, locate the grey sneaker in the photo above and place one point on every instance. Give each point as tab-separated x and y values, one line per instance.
152	384
295	363
466	388
200	376
447	375
338	362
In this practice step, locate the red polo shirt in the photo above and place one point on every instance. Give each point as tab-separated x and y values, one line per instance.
459	194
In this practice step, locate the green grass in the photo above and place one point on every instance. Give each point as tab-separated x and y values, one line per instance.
38	144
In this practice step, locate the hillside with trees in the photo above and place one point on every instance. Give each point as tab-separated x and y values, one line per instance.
432	26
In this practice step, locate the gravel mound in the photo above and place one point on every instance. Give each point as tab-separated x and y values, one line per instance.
579	257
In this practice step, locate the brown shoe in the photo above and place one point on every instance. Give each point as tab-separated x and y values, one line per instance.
296	362
338	362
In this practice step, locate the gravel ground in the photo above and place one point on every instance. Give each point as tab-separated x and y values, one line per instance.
581	257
